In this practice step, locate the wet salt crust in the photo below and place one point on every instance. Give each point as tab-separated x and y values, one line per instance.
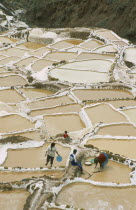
87	196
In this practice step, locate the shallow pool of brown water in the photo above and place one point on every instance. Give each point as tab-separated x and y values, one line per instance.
59	56
39	52
87	196
12	81
104	113
13	200
112	172
102	94
60	123
14	52
49	102
12	123
117	146
10	96
61	45
41	64
22	158
60	109
118	130
36	93
89	56
18	176
131	114
31	45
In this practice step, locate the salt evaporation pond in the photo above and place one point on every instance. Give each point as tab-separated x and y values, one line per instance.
12	200
59	56
117	146
35	93
12	81
130	55
131	114
89	56
86	196
10	96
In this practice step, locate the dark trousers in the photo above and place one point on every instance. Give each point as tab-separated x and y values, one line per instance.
49	159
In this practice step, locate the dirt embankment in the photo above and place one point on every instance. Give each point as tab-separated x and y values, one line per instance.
117	15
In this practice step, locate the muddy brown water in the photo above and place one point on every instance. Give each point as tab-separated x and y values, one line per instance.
123	147
118	130
7	40
10	96
104	113
87	196
91	44
61	45
13	200
74	41
12	81
12	123
36	93
88	56
22	158
58	56
41	64
34	135
112	172
18	176
101	94
50	102
131	114
60	123
31	45
60	109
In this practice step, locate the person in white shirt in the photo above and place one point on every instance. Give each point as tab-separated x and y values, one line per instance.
51	150
74	162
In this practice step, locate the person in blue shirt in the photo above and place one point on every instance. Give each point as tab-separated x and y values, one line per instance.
74	162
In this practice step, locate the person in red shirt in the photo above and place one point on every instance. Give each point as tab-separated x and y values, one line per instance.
65	134
102	159
66	137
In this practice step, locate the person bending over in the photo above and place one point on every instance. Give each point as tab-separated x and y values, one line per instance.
51	150
102	159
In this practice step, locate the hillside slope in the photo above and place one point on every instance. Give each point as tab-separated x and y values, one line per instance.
117	15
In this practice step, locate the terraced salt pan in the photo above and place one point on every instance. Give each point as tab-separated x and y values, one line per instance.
120	43
122	103
7	40
22	157
76	49
118	130
75	76
60	109
10	96
117	146
12	81
89	56
91	44
39	52
13	199
130	55
61	45
92	65
131	114
36	93
31	45
14	52
8	60
33	135
101	94
7	74
108	34
5	108
41	64
2	70
14	122
112	172
49	102
74	41
18	176
104	113
25	62
2	56
87	196
60	123
108	48
59	56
